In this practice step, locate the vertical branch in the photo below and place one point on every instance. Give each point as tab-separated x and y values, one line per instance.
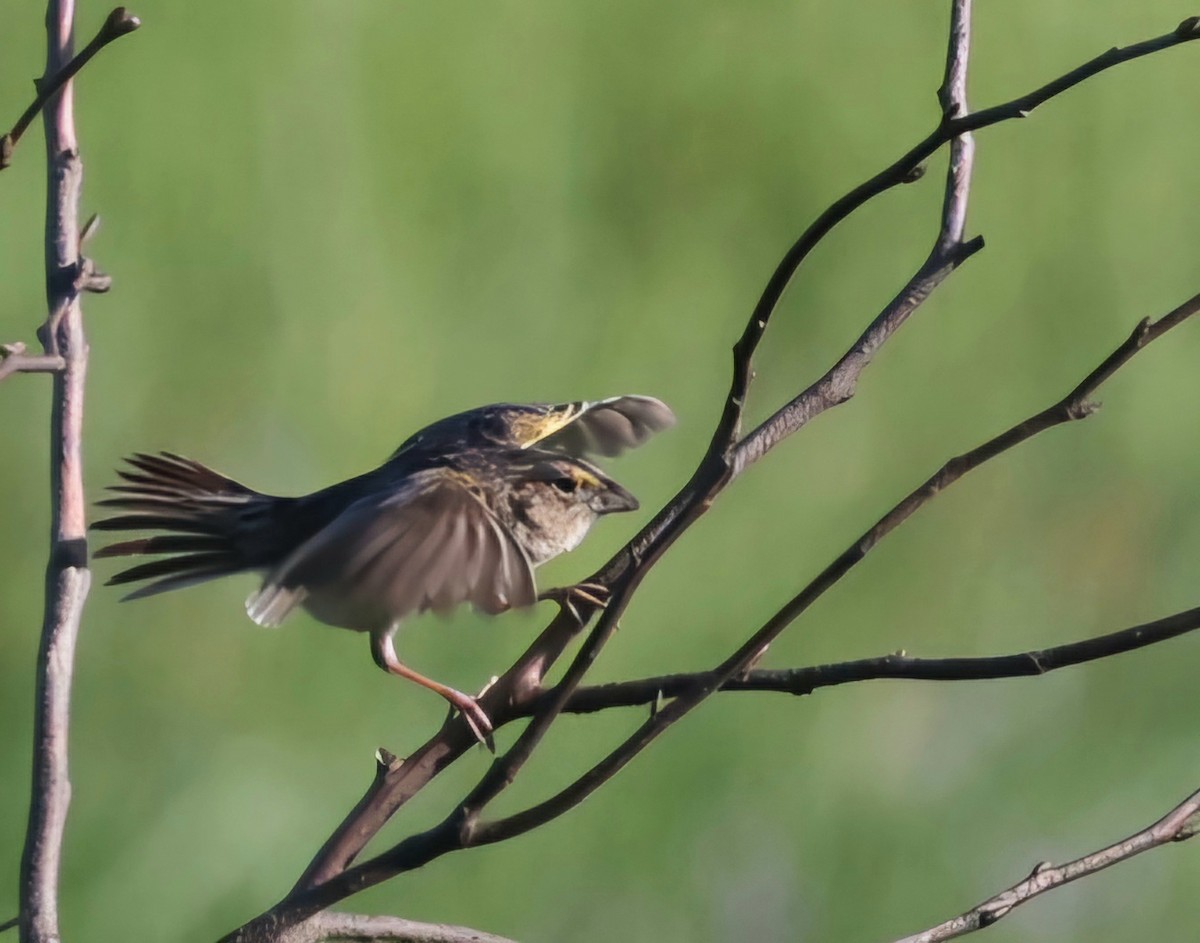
67	576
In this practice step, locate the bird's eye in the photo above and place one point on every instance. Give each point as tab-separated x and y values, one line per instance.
565	485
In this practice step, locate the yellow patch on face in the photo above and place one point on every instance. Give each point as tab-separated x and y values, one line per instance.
528	430
584	477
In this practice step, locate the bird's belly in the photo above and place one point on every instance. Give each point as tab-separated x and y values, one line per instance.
345	611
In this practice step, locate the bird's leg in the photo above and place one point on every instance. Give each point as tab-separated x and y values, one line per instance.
384	650
594	595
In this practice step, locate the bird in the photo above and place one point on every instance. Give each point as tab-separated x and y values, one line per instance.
461	513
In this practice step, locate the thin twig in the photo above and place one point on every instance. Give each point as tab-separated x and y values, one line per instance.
67	575
117	24
13	359
1180	824
360	928
897	666
835	387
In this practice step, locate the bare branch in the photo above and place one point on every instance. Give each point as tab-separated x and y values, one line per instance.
330	877
13	359
1180	824
359	928
67	575
117	24
830	390
806	680
1075	405
449	836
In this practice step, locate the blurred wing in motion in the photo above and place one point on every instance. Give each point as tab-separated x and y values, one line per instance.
433	545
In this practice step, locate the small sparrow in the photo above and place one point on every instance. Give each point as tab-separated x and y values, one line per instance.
462	512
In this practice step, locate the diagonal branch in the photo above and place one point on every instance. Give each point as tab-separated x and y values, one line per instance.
1180	824
449	836
806	680
1075	405
116	25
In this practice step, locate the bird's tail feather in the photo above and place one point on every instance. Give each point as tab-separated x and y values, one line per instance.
207	522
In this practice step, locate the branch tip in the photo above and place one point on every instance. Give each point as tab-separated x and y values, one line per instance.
119	22
1189	28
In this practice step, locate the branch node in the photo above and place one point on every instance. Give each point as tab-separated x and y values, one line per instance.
386	760
914	174
1039	868
1082	409
990	915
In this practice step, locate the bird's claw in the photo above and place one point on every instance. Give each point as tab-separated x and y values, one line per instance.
474	716
593	595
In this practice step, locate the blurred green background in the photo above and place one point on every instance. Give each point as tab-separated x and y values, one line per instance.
330	223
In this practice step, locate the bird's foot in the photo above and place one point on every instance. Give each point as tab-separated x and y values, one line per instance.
591	595
473	714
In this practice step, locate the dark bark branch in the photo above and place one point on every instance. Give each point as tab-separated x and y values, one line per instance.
1075	405
1180	824
838	385
330	877
806	680
116	25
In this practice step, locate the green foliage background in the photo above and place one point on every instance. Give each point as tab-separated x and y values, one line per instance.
330	223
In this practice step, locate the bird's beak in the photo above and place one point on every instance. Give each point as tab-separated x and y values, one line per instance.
614	498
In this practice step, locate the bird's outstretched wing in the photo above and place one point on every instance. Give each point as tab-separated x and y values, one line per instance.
604	427
432	545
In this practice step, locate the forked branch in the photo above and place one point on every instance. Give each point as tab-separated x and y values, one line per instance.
332	876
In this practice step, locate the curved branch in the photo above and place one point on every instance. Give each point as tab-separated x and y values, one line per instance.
793	417
1180	824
